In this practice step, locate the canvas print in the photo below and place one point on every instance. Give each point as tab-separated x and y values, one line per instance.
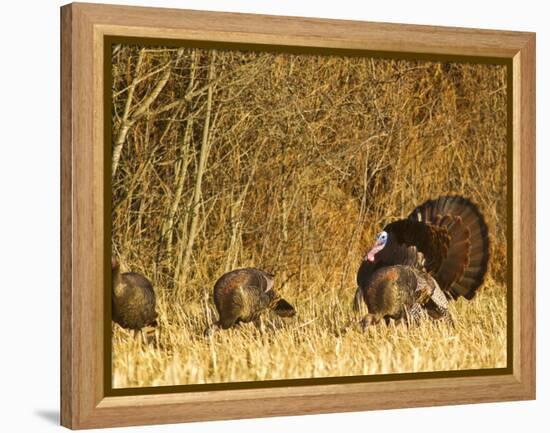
303	215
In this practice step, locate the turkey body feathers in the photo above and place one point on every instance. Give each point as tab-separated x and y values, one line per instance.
403	293
432	241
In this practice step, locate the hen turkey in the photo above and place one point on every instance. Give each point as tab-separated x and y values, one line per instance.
242	295
133	300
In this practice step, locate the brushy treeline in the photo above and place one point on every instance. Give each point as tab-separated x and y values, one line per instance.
292	163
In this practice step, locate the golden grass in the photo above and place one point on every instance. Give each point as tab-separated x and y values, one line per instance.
317	343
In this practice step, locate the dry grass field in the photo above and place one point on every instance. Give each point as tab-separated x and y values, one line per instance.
315	344
292	163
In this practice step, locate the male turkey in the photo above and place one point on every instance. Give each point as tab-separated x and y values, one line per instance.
133	300
242	295
416	265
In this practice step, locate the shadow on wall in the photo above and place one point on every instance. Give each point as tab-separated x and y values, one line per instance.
49	415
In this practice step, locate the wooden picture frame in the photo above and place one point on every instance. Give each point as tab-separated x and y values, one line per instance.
84	401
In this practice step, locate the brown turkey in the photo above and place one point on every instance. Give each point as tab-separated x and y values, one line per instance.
440	252
242	295
133	300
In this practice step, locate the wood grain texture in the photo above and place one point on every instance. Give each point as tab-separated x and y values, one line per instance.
233	27
68	393
83	401
524	216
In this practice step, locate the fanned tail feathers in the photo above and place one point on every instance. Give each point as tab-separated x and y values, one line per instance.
464	267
